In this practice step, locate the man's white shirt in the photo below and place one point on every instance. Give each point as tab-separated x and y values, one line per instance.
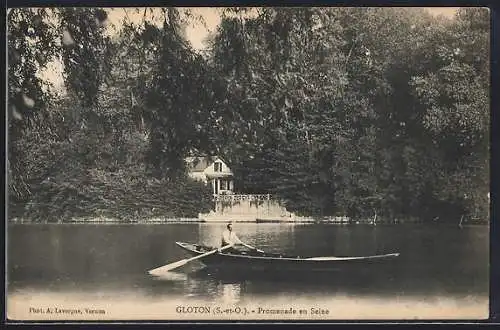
230	237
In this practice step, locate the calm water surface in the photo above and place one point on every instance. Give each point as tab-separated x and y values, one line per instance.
440	267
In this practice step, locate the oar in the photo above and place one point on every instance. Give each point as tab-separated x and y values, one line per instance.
353	258
182	262
252	248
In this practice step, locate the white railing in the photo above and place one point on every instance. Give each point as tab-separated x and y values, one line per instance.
242	197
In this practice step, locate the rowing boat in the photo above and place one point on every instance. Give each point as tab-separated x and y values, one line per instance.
241	260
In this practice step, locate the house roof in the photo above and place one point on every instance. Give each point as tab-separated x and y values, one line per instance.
199	163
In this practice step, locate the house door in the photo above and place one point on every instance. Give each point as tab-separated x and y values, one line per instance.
216	186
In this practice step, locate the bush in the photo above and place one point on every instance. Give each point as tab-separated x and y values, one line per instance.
123	194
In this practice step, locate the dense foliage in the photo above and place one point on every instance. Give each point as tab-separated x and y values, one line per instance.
337	111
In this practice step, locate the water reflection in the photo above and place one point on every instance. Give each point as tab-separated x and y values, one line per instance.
229	293
170	276
271	284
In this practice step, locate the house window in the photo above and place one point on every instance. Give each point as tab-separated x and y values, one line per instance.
218	167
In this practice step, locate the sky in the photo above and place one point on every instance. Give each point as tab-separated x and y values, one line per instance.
196	33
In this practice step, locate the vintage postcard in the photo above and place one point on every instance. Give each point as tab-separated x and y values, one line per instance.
244	163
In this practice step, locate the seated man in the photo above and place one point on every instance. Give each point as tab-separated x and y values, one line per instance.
229	237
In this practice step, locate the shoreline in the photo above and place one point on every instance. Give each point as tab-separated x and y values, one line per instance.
219	221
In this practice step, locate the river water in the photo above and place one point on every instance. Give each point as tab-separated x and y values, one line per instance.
98	272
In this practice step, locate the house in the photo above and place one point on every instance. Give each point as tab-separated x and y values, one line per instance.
228	206
213	170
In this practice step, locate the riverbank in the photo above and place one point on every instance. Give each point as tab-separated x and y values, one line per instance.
102	220
160	220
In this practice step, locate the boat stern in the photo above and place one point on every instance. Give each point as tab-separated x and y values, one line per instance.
181	244
193	248
187	246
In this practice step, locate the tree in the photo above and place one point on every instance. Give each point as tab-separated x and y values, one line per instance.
455	95
31	46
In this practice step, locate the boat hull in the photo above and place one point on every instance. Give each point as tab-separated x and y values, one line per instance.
252	261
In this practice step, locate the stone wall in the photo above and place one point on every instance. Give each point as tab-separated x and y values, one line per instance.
246	208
